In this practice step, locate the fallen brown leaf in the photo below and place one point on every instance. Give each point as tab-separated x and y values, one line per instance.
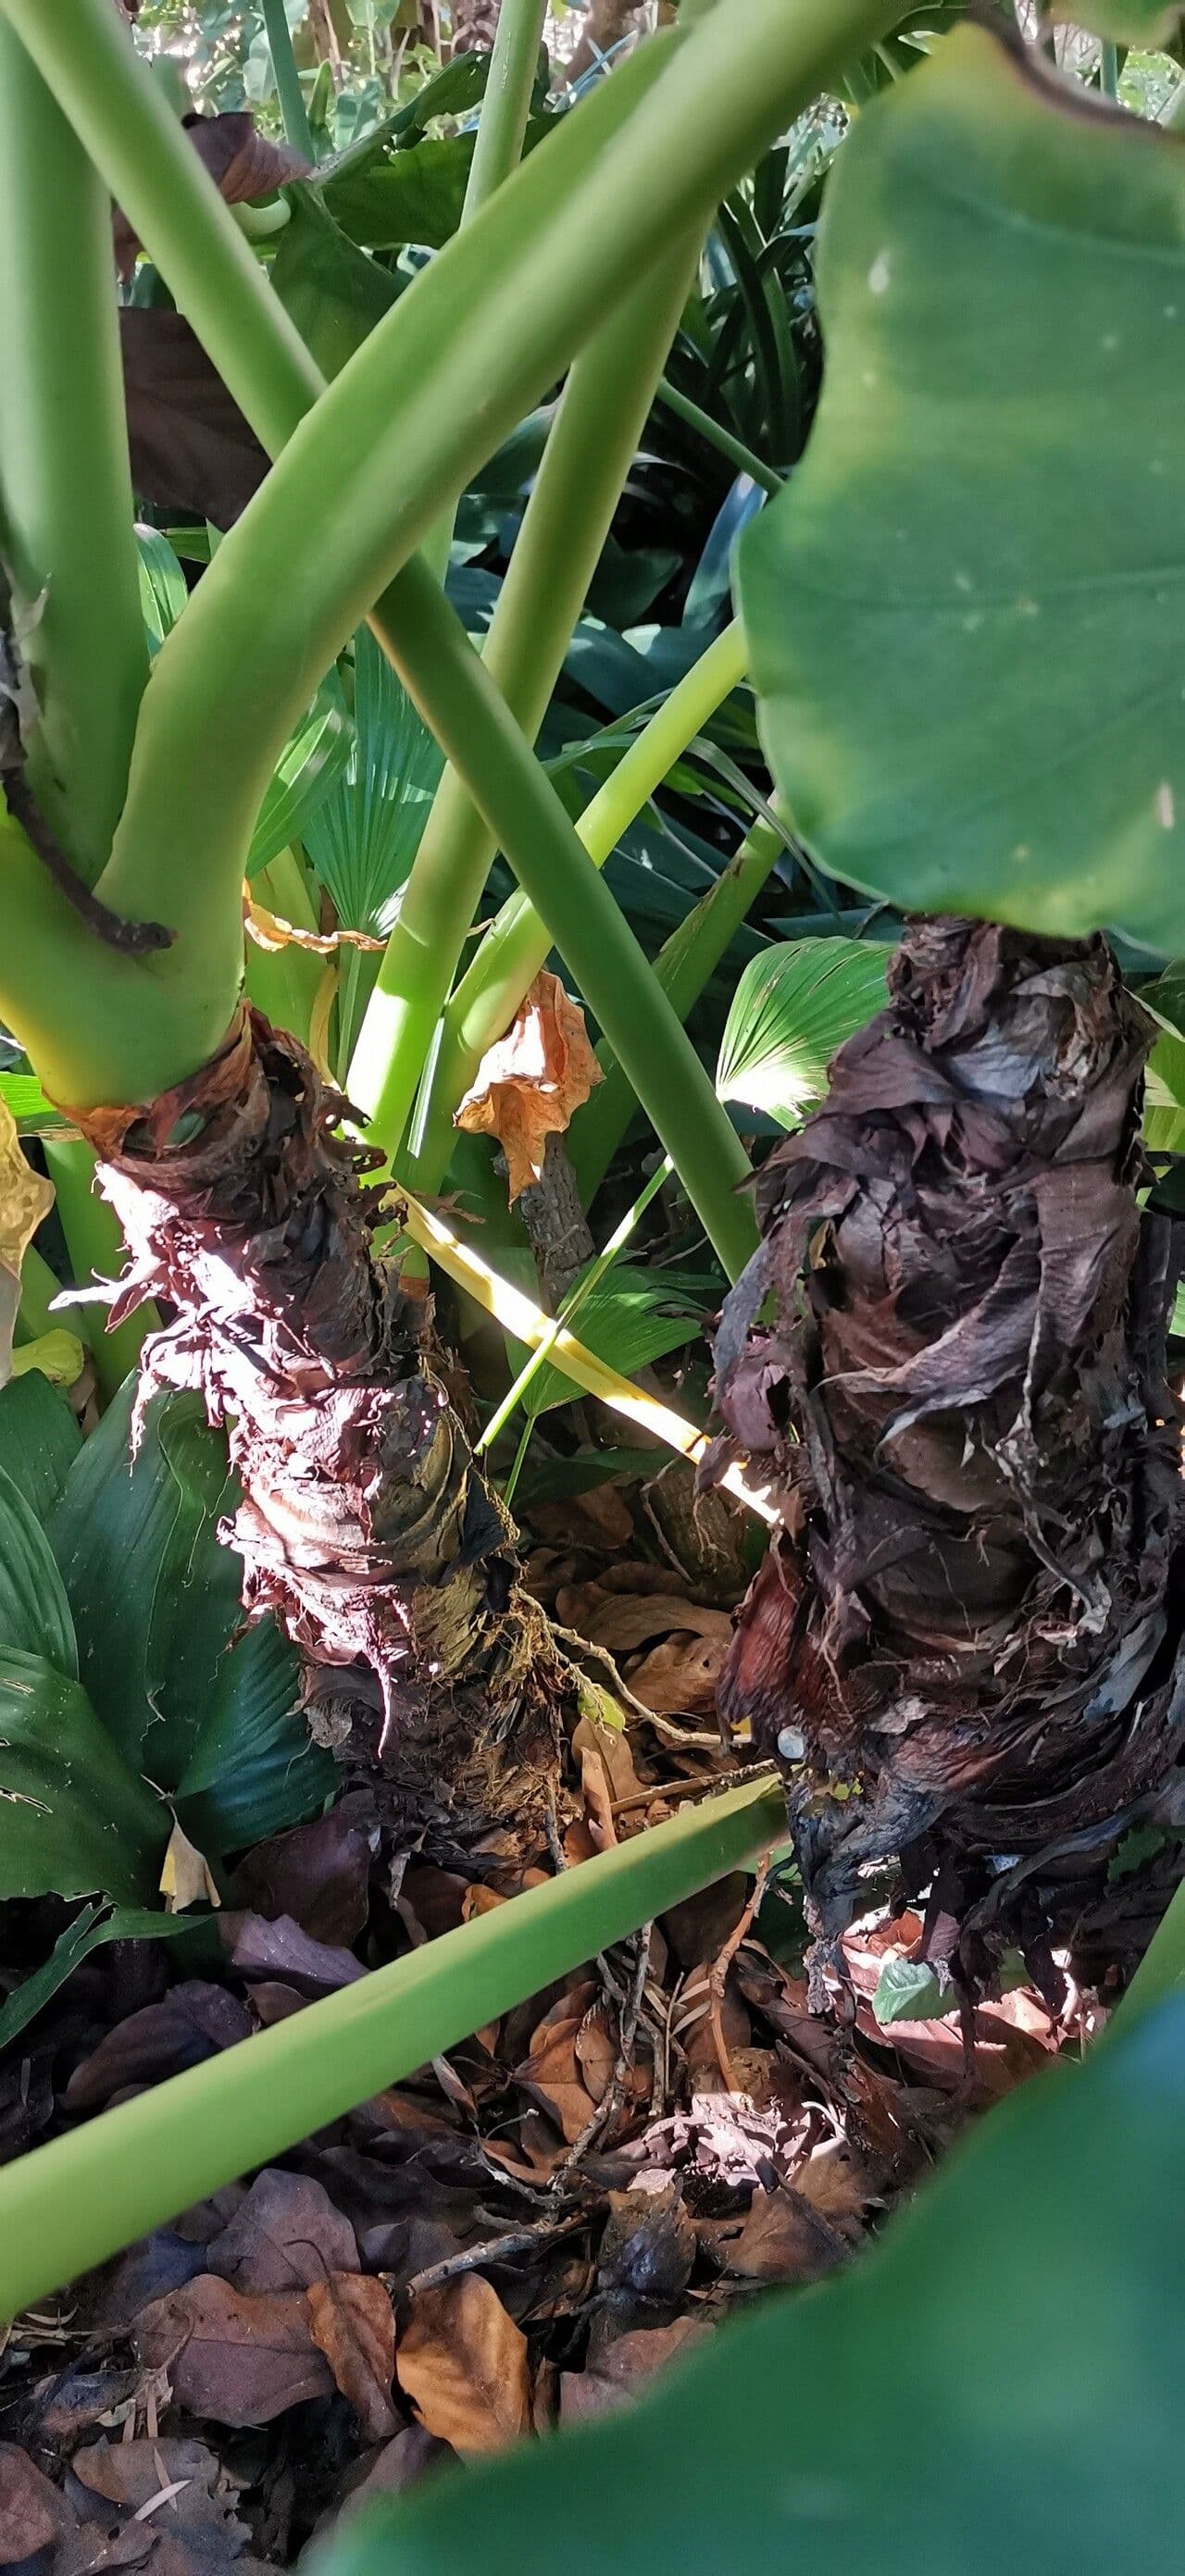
616	2367
353	2325
130	2474
529	1083
32	2513
194	2020
463	2363
318	1873
285	2235
784	2239
236	2357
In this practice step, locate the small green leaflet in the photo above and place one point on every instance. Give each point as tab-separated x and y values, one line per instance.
308	771
631	1318
794	1005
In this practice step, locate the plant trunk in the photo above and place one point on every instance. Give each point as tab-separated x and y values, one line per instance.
965	1648
364	1524
607	23
475	25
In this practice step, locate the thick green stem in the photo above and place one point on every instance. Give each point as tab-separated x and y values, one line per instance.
683	966
588	456
287	79
65	491
69	2205
97	1252
713	432
471	721
506	106
479	337
516	945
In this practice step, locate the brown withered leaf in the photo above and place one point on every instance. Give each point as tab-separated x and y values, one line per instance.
25	1198
463	2363
550	2075
784	2239
241	162
317	1873
354	2326
620	2364
194	2020
281	1950
531	1081
285	2235
680	1677
269	930
238	2357
32	2513
129	2474
191	447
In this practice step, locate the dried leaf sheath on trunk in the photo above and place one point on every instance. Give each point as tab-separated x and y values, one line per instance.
364	1524
966	1647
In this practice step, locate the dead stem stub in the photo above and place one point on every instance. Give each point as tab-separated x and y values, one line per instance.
964	1648
364	1523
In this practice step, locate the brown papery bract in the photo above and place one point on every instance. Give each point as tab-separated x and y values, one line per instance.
964	1648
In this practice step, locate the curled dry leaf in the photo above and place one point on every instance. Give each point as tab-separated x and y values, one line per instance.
270	930
463	2363
236	2357
353	2325
24	1200
531	1081
241	162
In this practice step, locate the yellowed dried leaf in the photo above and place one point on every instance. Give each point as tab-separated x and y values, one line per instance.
185	1877
531	1081
463	2363
24	1200
270	930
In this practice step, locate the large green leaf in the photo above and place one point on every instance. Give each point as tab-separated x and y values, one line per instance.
964	611
416	196
75	1820
34	1612
996	2386
332	291
206	1712
39	1439
1131	22
794	1005
311	763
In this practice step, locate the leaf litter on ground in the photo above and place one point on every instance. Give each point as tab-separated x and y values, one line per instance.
522	2234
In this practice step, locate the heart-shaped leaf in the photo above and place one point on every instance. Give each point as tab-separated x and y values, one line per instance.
965	610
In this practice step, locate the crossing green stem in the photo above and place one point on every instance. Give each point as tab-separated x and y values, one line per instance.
684	965
287	78
65	491
71	2204
516	945
714	433
587	458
